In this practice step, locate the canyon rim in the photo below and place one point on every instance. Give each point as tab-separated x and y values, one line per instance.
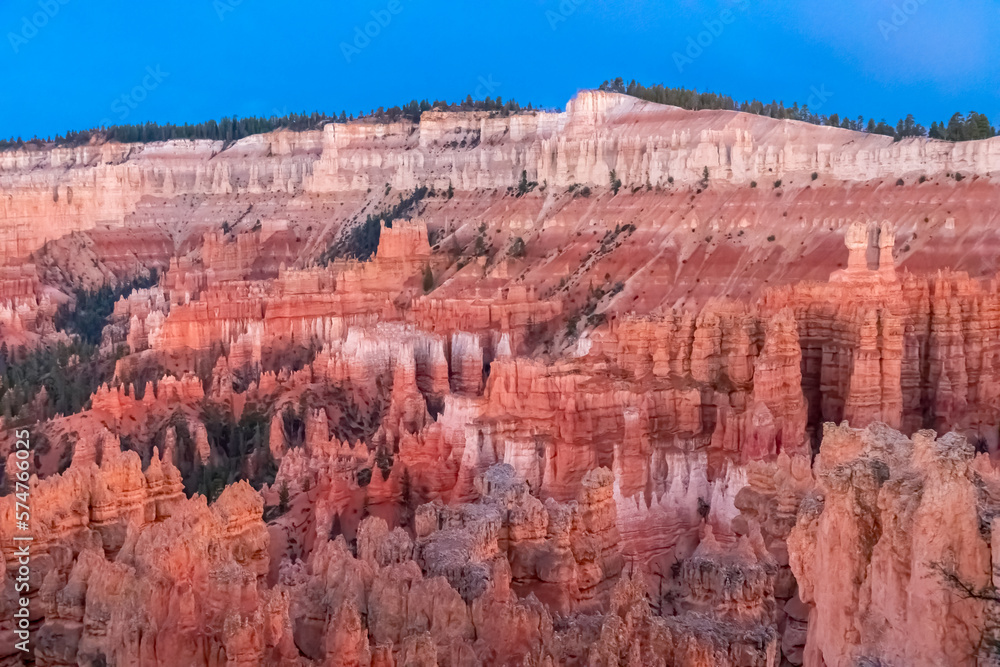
625	384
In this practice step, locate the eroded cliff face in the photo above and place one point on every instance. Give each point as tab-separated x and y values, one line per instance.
539	426
140	205
883	546
147	576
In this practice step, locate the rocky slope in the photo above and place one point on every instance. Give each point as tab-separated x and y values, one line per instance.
885	544
546	424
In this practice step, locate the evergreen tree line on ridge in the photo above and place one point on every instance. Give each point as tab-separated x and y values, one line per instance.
958	128
235	128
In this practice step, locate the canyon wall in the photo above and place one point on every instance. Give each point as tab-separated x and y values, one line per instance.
139	205
546	423
885	544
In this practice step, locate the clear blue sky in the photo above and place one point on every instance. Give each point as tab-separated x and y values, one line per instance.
66	64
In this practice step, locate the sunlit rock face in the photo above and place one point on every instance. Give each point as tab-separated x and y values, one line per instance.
519	420
95	211
885	543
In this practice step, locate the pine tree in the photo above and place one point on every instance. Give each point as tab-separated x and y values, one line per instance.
956	128
428	279
522	186
406	493
980	126
283	497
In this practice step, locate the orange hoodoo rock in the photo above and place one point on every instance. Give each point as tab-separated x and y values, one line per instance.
404	241
130	570
878	549
563	427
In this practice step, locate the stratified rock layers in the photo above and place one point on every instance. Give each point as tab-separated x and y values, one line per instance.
546	425
885	545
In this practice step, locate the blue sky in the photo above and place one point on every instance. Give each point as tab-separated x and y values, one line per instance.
73	64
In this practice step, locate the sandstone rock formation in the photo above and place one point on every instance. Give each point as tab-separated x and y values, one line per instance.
877	544
561	426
